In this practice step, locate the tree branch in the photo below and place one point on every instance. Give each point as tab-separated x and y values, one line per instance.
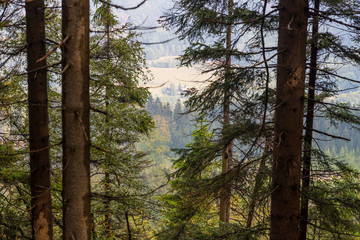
121	7
336	75
334	20
52	50
327	134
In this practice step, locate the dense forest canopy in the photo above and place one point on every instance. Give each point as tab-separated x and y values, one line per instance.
159	119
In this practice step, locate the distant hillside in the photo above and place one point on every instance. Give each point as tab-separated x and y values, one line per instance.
164	77
147	16
164	55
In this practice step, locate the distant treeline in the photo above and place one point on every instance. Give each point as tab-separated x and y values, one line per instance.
174	129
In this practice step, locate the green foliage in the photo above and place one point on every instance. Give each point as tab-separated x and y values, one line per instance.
115	79
186	210
334	199
118	122
14	198
191	204
122	190
173	131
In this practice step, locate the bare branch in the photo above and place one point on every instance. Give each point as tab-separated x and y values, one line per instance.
336	75
327	134
52	50
121	7
40	68
98	110
162	42
334	20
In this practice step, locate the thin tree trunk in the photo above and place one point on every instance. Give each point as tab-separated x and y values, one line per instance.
227	155
108	224
259	174
258	184
76	137
128	225
309	126
107	220
289	112
41	218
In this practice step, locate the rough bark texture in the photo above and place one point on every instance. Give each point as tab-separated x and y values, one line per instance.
76	139
309	126
289	112
227	155
38	122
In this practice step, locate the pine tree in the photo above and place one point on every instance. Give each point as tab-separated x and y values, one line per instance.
187	209
227	153
214	29
308	138
121	204
325	44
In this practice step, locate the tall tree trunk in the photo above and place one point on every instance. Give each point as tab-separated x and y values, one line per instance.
108	224
309	125
289	112
41	218
76	137
227	154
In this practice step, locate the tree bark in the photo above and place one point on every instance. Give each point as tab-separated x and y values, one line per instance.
75	113
289	112
41	218
227	154
309	126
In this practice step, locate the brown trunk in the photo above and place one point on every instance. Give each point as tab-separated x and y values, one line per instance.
309	125
41	219
289	112
76	139
227	154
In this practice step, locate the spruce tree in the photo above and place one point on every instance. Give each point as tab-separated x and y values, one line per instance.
324	46
308	138
286	172
214	30
121	198
38	121
75	115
